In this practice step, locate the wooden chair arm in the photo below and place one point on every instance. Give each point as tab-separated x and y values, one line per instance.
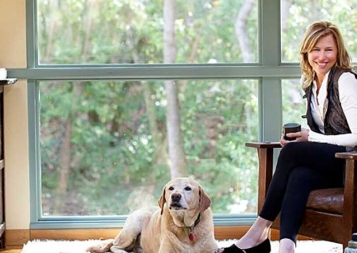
265	157
266	144
347	155
350	201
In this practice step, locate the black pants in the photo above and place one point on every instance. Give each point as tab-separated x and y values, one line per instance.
301	168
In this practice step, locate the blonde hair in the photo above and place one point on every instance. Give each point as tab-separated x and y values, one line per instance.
315	32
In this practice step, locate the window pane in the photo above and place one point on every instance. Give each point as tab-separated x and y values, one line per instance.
297	15
104	145
131	31
294	106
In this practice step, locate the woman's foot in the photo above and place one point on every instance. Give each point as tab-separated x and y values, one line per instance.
263	247
254	241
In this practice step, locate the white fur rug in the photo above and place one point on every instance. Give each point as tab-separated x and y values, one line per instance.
51	246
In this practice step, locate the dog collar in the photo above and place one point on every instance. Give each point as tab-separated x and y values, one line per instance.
191	235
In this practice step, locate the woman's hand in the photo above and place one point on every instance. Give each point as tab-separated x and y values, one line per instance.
302	136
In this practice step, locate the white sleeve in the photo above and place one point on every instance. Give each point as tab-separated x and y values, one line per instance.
347	85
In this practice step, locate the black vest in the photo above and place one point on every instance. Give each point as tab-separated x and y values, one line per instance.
335	121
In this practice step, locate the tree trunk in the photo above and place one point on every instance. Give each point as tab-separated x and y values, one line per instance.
65	153
241	30
285	6
160	152
177	161
51	29
65	166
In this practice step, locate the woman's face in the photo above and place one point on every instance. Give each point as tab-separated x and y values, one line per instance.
323	56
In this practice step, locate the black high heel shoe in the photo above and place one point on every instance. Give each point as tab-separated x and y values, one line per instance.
264	247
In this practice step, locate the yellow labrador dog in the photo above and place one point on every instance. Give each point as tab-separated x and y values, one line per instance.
182	223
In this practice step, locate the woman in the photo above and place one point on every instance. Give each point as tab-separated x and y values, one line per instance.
309	162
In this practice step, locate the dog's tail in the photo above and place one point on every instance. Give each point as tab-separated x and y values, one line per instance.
102	247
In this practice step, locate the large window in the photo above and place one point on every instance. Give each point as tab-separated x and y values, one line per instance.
109	117
111	80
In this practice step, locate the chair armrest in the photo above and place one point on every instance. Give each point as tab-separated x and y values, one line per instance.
265	160
350	184
266	144
347	155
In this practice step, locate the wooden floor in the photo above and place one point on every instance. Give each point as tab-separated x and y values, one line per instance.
11	251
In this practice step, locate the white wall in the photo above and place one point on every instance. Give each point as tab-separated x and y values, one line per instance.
13	55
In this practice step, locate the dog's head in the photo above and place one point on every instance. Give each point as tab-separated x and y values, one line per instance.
185	199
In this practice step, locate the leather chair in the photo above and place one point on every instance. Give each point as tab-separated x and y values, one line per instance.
330	213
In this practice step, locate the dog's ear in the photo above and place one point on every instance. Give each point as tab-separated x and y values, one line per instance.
162	201
205	201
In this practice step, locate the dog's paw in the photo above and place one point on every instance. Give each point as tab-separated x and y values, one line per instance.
102	247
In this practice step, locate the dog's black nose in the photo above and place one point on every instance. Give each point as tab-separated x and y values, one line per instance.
176	197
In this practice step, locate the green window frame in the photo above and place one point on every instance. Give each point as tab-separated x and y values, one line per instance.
269	71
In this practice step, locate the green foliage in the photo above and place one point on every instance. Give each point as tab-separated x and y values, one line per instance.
118	147
303	12
113	151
